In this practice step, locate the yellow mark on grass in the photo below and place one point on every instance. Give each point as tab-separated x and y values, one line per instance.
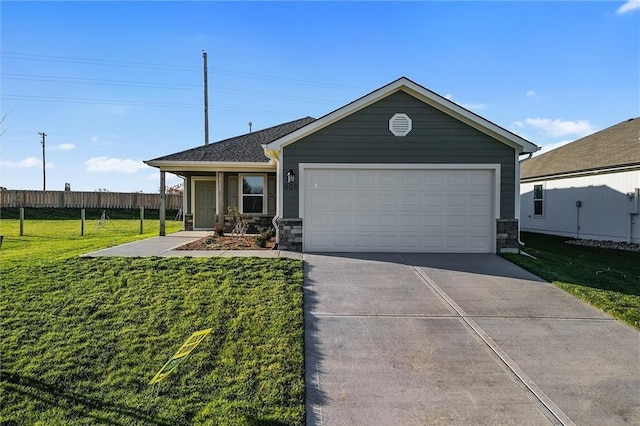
186	348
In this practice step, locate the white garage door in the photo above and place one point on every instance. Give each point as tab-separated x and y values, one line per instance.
391	210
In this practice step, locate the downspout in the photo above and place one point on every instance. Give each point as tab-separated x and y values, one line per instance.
274	157
520	242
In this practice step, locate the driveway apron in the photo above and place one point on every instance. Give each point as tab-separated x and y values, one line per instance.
403	339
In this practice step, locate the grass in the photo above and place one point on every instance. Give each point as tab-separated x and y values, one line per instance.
61	239
607	279
82	337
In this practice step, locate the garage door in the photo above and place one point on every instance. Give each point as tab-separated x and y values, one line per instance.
391	210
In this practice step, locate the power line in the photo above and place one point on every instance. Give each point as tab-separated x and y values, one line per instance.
95	61
108	62
99	81
152	85
39	98
92	101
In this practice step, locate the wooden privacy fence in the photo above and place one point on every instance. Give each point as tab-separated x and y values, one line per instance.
101	200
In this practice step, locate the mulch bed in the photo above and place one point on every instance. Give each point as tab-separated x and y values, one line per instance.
228	242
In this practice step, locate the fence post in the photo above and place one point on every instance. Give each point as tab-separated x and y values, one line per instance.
82	222
141	219
21	221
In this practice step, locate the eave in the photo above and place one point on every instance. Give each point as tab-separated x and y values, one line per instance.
584	172
208	166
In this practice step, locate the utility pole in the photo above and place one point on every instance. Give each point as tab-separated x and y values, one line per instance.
206	101
44	175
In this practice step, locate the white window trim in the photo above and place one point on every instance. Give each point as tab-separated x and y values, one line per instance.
538	199
241	193
193	195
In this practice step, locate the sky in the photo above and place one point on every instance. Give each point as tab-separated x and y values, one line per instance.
115	83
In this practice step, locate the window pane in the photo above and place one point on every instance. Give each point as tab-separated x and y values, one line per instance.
252	204
537	192
253	185
537	207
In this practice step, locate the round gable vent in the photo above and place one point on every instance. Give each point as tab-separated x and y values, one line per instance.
400	124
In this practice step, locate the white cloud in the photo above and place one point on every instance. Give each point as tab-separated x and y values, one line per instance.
153	176
26	163
63	147
473	106
117	165
558	127
94	139
629	6
22	164
449	96
518	124
551	146
531	94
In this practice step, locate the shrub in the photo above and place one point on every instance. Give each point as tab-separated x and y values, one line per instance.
262	238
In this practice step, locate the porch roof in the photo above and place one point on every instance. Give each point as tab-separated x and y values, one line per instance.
245	148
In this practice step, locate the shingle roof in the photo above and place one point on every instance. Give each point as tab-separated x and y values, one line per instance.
615	146
244	148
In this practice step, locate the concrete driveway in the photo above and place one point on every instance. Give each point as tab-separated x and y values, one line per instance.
422	339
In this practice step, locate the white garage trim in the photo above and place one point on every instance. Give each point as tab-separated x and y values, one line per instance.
494	211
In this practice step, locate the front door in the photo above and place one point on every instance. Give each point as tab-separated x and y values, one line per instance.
205	204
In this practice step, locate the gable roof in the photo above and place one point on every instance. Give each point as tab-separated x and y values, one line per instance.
425	95
245	148
614	147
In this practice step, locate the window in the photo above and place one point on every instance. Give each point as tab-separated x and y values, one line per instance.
538	207
252	198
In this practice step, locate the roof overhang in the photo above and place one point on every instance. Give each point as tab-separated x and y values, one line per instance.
522	146
578	173
210	166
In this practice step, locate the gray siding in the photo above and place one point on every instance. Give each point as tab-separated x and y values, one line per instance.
231	190
436	138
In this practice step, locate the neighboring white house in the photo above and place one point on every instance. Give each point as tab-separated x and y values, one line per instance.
587	189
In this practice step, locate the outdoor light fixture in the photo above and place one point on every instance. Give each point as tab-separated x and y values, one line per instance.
291	176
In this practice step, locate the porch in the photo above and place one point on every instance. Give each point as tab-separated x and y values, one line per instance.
211	198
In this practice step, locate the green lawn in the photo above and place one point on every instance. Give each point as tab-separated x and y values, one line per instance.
607	279
81	337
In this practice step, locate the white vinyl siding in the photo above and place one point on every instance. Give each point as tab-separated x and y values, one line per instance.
603	213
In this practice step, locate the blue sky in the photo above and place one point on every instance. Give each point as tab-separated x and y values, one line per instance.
116	83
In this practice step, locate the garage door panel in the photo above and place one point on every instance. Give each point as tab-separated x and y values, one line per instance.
433	200
409	242
398	210
363	241
317	221
410	200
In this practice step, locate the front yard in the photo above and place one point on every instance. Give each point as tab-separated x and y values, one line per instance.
607	279
81	338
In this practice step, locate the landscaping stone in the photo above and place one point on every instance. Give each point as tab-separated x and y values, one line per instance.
613	245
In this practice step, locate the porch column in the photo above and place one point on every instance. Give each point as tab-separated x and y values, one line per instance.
162	206
220	197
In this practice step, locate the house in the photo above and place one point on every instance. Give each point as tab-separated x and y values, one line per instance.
586	189
401	169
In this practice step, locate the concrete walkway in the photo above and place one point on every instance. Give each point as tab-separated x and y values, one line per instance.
166	247
421	339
